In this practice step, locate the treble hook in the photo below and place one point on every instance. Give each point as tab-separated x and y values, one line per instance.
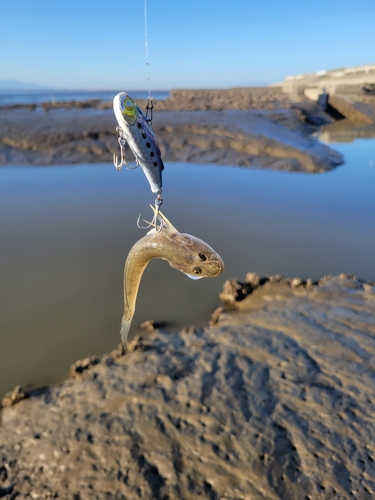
118	165
153	223
123	162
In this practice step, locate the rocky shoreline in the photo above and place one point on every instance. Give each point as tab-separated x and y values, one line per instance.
274	400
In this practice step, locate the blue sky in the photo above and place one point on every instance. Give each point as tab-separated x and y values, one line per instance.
89	44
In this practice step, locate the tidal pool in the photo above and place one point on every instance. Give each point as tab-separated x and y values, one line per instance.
66	232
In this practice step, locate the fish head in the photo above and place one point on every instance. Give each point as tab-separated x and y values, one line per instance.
125	109
194	257
184	252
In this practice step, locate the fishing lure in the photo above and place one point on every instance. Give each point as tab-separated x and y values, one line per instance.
135	129
182	251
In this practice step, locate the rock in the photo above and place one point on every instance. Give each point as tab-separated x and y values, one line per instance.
148	325
234	291
252	279
81	366
215	316
13	397
296	282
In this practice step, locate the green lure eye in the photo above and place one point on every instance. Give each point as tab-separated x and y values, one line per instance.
128	104
129	108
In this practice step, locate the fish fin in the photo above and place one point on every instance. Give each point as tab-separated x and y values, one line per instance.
125	327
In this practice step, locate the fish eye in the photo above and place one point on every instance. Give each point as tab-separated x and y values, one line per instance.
197	270
202	257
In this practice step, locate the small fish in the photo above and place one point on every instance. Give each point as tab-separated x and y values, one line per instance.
137	132
182	251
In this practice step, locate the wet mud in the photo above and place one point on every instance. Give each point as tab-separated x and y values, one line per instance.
275	400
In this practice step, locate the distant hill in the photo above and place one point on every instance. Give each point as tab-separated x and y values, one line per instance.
22	86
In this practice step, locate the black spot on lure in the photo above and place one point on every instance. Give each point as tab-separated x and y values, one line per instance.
135	129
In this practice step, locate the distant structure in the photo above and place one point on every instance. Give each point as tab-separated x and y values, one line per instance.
337	81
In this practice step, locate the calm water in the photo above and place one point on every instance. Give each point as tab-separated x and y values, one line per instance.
66	231
37	97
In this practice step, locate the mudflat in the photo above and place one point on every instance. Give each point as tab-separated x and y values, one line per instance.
260	128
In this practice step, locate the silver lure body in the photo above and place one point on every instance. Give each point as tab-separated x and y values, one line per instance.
140	137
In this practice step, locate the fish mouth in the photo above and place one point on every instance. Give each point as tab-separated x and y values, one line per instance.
219	265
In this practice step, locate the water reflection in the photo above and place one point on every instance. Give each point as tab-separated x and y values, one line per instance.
345	131
66	231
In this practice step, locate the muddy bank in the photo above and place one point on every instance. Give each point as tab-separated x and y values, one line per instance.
275	400
258	128
276	140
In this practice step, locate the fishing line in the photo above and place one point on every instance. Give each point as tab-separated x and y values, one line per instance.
146	44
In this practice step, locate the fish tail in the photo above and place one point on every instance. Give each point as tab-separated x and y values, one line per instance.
125	327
